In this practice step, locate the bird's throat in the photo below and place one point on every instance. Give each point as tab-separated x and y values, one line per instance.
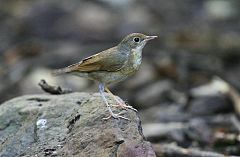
136	58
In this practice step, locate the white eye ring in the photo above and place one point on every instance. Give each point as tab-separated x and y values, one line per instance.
136	39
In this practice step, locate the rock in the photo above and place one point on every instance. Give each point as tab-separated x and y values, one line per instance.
172	131
165	113
172	150
209	105
198	130
68	125
144	76
216	87
154	93
86	18
220	9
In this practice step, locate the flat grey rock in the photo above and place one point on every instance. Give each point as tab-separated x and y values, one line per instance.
68	125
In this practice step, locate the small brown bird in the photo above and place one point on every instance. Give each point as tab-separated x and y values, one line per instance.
111	66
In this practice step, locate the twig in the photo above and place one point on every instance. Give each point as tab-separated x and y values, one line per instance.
171	150
53	89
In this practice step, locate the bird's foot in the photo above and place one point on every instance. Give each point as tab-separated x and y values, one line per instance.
120	102
116	116
124	106
129	107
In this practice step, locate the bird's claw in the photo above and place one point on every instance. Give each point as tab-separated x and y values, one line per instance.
125	107
116	116
131	108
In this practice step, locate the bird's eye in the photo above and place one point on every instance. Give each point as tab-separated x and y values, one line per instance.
136	39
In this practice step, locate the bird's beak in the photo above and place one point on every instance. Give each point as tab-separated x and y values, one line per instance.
150	37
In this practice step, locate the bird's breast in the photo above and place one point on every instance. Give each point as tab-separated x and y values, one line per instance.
136	58
133	63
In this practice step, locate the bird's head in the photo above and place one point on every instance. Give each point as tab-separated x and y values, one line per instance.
135	41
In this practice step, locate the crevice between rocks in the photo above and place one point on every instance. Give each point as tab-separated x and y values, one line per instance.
72	122
139	124
116	146
39	99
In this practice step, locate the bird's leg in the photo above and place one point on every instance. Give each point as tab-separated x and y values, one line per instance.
117	116
120	103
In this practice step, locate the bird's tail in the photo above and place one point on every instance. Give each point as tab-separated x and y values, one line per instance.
61	71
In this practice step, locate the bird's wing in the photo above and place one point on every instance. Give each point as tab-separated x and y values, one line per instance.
108	60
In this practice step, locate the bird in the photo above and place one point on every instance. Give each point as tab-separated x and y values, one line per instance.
111	66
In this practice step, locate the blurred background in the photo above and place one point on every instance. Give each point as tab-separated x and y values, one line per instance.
187	87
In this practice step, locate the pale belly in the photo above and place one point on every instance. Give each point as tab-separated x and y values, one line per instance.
108	77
